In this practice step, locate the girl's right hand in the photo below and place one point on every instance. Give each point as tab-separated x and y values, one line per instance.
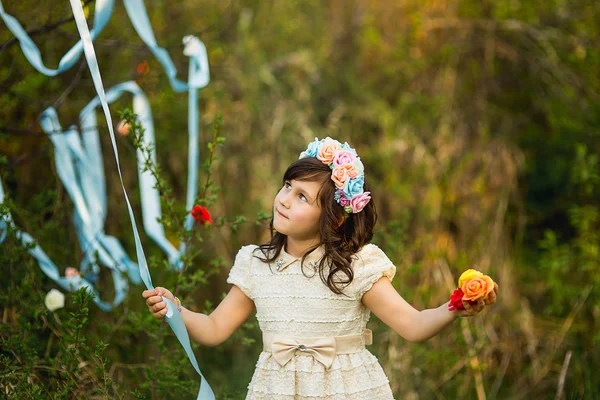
155	303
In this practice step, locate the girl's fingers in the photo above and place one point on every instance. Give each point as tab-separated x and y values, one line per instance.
160	314
150	301
157	291
473	307
480	305
468	307
491	297
158	307
155	302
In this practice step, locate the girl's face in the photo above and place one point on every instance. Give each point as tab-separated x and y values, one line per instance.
296	210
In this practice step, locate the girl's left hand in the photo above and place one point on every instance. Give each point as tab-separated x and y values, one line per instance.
475	307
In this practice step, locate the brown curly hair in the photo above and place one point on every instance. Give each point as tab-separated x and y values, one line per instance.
340	241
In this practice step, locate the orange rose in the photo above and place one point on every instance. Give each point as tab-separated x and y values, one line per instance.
327	150
352	171
478	287
339	175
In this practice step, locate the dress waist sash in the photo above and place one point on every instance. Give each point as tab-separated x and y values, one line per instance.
323	349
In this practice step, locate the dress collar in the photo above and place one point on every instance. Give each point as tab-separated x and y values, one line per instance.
285	259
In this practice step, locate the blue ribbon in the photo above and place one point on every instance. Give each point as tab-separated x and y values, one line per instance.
81	170
174	319
151	209
80	181
198	77
199	73
136	10
102	13
71	283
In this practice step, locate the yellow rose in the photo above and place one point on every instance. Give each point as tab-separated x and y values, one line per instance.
467	276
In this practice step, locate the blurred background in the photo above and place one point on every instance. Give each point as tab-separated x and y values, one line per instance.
477	121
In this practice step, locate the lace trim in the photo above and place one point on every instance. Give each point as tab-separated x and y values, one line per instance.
373	270
374	278
361	379
327	321
349	307
303	296
343	362
383	392
311	330
240	272
286	272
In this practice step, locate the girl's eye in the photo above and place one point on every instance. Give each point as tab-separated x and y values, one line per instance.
303	198
287	185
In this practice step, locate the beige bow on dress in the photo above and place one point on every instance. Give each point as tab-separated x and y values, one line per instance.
322	349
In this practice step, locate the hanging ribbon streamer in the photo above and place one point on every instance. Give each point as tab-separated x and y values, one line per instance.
136	10
151	210
80	180
81	171
71	283
199	74
198	77
90	210
175	320
103	11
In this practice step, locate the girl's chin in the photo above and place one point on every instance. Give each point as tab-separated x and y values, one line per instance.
277	225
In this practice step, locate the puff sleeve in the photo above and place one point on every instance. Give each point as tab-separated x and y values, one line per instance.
371	264
240	274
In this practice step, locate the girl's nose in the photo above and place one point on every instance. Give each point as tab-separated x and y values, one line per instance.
284	200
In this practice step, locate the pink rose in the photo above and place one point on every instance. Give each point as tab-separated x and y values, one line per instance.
341	174
342	157
344	201
359	202
70	272
327	150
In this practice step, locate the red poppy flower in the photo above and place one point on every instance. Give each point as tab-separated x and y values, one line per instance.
456	300
201	215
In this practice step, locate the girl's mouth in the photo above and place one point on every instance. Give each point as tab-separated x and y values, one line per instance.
280	214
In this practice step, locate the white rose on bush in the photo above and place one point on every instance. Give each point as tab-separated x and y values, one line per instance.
54	300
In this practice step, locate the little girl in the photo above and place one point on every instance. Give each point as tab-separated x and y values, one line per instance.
314	285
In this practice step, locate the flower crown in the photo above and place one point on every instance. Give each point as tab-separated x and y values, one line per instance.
347	172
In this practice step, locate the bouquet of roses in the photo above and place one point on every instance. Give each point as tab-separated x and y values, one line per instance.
472	285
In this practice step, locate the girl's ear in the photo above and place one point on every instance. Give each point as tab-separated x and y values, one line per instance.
342	219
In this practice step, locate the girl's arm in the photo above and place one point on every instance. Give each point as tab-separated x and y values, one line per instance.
413	325
208	330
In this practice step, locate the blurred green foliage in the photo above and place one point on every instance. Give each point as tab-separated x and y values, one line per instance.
478	125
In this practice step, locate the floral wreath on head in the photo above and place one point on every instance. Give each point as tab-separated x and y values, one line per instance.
347	172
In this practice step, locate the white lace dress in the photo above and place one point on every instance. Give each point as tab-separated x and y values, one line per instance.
289	303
